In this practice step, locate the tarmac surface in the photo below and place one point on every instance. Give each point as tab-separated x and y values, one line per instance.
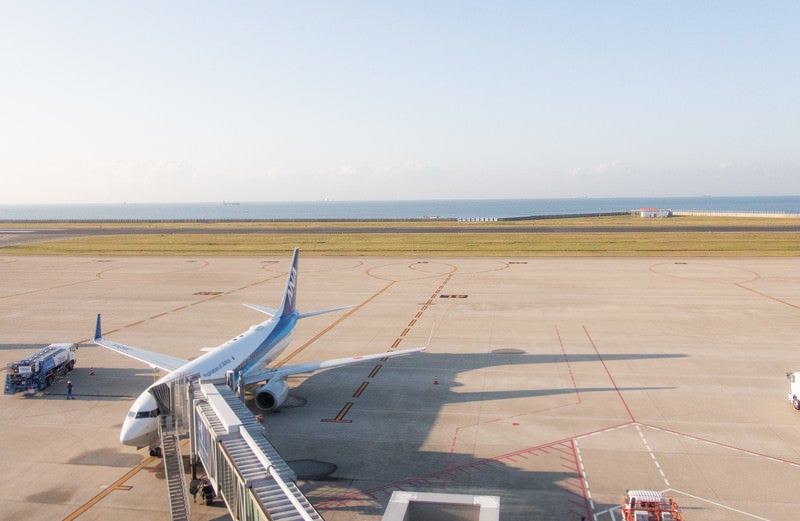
555	384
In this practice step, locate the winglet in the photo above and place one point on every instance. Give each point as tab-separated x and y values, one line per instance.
97	329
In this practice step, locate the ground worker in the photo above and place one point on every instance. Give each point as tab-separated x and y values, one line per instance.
69	390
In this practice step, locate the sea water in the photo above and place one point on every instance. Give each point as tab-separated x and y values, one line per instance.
453	209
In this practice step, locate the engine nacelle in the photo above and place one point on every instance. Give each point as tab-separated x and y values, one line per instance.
271	395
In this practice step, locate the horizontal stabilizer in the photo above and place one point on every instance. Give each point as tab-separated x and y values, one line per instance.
283	372
272	311
267	311
321	311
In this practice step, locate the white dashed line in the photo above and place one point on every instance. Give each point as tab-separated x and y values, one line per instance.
583	475
652	455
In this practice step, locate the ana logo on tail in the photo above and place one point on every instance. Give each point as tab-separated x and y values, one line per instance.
292	284
289	304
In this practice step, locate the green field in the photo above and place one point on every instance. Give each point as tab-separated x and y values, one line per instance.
389	238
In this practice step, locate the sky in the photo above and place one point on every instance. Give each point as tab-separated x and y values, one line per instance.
155	102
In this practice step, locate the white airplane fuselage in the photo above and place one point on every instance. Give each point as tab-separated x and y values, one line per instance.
271	337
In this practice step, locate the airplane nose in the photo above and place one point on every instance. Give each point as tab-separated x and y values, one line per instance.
127	434
139	432
140	427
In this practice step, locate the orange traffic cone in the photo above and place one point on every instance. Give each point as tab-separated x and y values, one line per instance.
91	371
435	380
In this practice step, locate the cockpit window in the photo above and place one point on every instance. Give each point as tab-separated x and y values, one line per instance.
145	414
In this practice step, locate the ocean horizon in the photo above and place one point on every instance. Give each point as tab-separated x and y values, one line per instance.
406	209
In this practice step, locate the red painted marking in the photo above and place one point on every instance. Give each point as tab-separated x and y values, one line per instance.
442	475
619	393
569	366
725	445
562	451
795	306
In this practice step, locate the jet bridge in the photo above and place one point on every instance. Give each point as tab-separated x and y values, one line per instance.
243	468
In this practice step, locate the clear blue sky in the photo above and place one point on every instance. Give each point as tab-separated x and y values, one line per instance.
260	101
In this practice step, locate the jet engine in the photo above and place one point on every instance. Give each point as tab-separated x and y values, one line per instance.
271	395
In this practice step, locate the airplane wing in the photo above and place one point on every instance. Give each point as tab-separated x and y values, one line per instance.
289	370
158	360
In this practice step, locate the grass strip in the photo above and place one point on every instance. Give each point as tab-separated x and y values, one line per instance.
595	222
584	244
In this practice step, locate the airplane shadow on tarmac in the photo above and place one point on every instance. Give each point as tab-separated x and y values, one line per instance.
91	382
403	432
102	384
25	349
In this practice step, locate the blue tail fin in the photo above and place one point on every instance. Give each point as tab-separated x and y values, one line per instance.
98	332
289	304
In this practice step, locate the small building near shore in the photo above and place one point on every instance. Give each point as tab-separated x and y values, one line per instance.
654	212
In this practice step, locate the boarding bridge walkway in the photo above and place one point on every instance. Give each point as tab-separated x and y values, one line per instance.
241	465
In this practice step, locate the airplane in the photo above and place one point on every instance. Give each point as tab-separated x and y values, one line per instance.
248	354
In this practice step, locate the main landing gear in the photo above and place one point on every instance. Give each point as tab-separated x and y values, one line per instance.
156	451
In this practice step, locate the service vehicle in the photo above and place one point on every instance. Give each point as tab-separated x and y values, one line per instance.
649	505
36	372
